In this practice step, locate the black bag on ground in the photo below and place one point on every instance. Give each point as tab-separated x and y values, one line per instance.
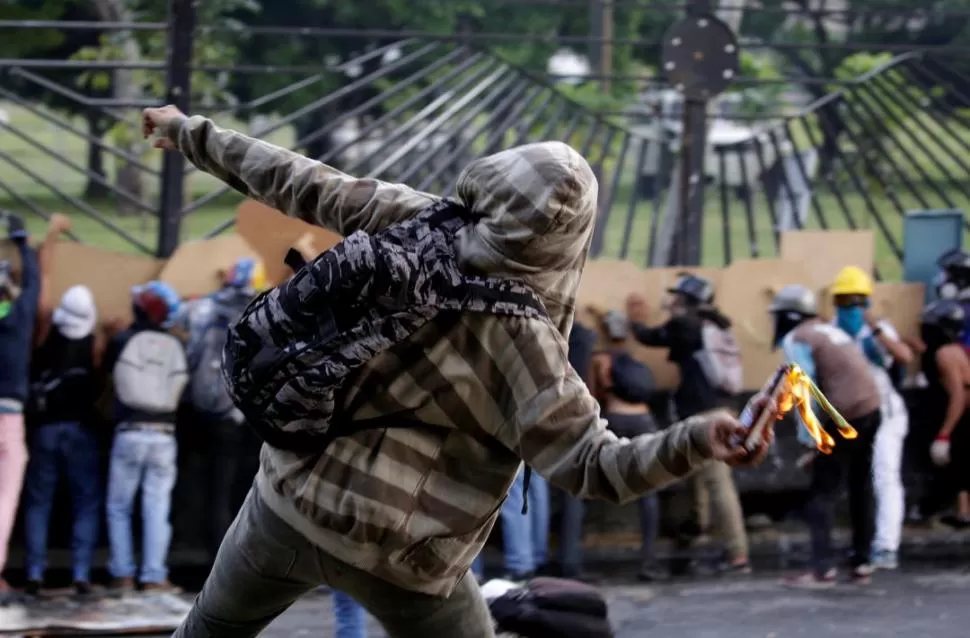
289	355
633	381
553	608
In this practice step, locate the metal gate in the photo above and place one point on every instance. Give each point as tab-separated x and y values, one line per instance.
416	107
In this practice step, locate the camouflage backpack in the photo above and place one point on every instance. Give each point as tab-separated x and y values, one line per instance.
289	355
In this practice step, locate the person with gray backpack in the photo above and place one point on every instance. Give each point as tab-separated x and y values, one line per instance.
217	422
400	379
149	373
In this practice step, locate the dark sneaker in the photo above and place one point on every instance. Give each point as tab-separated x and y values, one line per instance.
956	521
33	587
84	589
885	559
735	569
862	575
811	580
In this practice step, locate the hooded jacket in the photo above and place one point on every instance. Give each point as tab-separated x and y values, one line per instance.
415	506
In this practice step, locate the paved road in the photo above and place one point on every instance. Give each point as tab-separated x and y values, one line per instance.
912	604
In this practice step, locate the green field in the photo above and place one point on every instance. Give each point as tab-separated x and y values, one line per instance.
52	171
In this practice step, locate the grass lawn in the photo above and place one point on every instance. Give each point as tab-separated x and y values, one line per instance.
54	173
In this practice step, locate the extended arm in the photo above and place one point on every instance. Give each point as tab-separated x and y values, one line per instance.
950	371
290	182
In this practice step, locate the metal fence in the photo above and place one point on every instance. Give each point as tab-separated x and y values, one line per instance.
683	180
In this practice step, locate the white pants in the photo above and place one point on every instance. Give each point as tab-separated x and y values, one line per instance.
887	475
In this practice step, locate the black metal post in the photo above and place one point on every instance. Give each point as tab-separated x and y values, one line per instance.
181	24
688	245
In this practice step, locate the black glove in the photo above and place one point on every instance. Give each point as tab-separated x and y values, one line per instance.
15	227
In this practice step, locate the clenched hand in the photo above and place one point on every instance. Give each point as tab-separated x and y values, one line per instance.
157	120
727	436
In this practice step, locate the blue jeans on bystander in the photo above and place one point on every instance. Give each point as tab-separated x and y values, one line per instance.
141	459
71	449
351	618
526	536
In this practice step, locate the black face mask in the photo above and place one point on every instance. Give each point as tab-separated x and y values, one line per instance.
785	322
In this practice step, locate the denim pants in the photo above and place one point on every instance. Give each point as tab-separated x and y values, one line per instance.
71	449
351	618
141	459
525	537
264	566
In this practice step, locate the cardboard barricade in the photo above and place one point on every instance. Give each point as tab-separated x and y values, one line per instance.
743	290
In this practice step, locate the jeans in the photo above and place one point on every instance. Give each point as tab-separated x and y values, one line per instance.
146	460
264	566
13	460
852	461
351	618
478	567
526	536
71	449
887	463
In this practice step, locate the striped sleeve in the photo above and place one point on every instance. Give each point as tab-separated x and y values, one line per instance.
554	425
292	183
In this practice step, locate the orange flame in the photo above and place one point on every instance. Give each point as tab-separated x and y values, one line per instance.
797	394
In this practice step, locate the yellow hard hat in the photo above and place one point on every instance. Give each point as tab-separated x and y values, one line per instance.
852	280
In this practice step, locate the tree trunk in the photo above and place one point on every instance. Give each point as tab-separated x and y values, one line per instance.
126	89
95	189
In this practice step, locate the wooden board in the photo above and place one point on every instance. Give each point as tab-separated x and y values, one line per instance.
197	267
272	234
747	287
823	253
110	276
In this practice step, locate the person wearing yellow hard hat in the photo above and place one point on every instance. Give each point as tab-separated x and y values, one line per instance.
880	342
216	420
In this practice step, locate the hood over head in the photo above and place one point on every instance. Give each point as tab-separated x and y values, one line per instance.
534	206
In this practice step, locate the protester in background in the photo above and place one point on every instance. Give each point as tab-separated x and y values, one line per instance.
947	372
217	425
624	386
952	283
19	305
879	341
830	357
60	410
150	372
395	517
582	343
699	342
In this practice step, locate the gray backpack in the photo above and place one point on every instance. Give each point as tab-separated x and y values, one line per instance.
288	357
151	373
720	358
207	388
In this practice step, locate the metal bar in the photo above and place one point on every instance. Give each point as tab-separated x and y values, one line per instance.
63	159
785	184
655	212
292	117
484	37
602	219
455	107
415	120
725	204
748	206
827	176
689	247
65	92
29	205
875	139
762	169
864	193
178	92
87	137
477	132
878	93
819	213
951	86
73	201
434	149
951	134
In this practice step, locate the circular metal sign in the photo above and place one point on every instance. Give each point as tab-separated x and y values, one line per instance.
700	56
